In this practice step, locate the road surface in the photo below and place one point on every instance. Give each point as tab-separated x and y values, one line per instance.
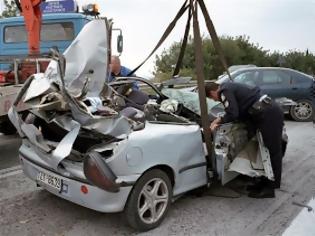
28	210
9	146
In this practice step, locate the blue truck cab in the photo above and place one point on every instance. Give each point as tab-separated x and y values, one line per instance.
58	29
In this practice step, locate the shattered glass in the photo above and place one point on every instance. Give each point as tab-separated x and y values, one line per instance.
189	100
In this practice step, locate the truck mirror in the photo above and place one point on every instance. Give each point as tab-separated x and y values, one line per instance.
120	43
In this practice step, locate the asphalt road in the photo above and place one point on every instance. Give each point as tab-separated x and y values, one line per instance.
9	146
28	210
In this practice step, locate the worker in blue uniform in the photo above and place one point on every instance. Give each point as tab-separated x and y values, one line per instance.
117	70
246	104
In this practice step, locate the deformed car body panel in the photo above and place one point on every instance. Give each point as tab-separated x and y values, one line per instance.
85	61
236	153
65	146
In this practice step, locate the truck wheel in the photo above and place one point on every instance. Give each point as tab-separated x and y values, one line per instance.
7	128
302	111
149	200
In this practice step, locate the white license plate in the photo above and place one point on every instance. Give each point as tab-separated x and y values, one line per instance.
50	180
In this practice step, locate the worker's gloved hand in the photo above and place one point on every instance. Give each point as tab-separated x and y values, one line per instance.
215	123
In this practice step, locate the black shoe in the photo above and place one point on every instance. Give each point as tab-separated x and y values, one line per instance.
265	192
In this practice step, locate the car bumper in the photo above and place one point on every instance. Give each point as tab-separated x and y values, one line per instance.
95	199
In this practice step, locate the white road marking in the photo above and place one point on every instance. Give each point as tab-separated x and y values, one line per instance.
10	171
303	224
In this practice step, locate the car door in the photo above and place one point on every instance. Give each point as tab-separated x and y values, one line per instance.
235	154
275	83
302	86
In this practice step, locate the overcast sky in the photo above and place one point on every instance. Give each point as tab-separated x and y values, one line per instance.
274	24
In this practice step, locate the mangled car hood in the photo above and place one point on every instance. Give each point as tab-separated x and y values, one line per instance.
88	56
86	59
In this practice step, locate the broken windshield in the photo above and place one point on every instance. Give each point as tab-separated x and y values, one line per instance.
191	100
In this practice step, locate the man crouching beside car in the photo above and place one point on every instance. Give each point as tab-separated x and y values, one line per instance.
246	104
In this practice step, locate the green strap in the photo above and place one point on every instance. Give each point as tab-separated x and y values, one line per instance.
201	85
184	44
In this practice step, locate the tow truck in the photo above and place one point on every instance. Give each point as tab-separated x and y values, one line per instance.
25	42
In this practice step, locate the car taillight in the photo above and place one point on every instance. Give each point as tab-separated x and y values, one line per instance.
97	172
84	189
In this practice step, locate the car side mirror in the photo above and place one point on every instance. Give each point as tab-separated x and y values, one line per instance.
120	43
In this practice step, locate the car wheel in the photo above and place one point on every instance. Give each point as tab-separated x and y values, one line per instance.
302	111
149	200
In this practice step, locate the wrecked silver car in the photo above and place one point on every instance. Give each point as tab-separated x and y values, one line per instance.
112	149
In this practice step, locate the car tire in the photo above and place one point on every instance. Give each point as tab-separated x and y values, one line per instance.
302	111
149	200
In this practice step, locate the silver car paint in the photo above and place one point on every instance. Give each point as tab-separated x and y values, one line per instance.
176	146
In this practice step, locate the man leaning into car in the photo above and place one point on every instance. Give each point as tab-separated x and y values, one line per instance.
117	70
245	104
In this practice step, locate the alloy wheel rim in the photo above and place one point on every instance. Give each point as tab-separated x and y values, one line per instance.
303	110
153	200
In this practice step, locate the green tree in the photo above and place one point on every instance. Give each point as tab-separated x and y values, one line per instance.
300	61
237	50
10	9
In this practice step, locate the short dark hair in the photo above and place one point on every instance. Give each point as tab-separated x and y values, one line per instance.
211	86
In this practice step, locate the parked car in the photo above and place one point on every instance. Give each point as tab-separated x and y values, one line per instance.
281	82
112	149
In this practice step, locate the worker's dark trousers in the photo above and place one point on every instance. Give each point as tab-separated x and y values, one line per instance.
270	123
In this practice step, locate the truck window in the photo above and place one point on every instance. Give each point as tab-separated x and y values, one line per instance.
61	31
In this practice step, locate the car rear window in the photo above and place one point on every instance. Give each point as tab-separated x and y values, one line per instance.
61	31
